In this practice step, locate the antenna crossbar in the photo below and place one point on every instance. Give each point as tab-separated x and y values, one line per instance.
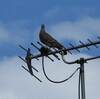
67	49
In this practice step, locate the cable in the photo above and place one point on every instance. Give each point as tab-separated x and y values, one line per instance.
56	81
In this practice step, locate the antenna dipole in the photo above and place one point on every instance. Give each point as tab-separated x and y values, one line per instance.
46	51
68	49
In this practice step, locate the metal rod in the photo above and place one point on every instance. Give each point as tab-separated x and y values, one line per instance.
93	43
40	51
27	51
40	44
26	62
35	46
88	59
37	78
23	48
73	47
84	45
67	49
50	51
31	74
82	78
50	58
25	69
22	59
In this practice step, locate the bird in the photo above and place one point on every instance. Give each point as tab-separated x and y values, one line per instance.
49	41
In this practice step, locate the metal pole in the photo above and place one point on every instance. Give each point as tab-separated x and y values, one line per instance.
82	78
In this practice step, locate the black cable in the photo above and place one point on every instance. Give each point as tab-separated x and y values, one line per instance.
56	81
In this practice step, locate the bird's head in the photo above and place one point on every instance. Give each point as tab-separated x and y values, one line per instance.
42	26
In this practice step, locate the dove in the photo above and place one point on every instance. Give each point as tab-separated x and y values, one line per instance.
48	40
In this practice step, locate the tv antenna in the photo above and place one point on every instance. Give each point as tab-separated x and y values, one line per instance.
46	52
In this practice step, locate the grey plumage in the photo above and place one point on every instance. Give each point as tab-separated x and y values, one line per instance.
47	39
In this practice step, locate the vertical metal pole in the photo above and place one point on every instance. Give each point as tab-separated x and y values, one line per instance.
82	78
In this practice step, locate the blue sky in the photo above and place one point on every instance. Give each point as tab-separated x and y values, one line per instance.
67	21
27	16
36	11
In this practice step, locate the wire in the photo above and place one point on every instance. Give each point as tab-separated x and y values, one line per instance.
53	80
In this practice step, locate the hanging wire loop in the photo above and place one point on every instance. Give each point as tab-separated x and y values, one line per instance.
53	80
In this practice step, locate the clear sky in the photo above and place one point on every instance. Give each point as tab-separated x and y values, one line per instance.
67	21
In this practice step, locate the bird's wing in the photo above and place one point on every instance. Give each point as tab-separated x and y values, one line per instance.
48	38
